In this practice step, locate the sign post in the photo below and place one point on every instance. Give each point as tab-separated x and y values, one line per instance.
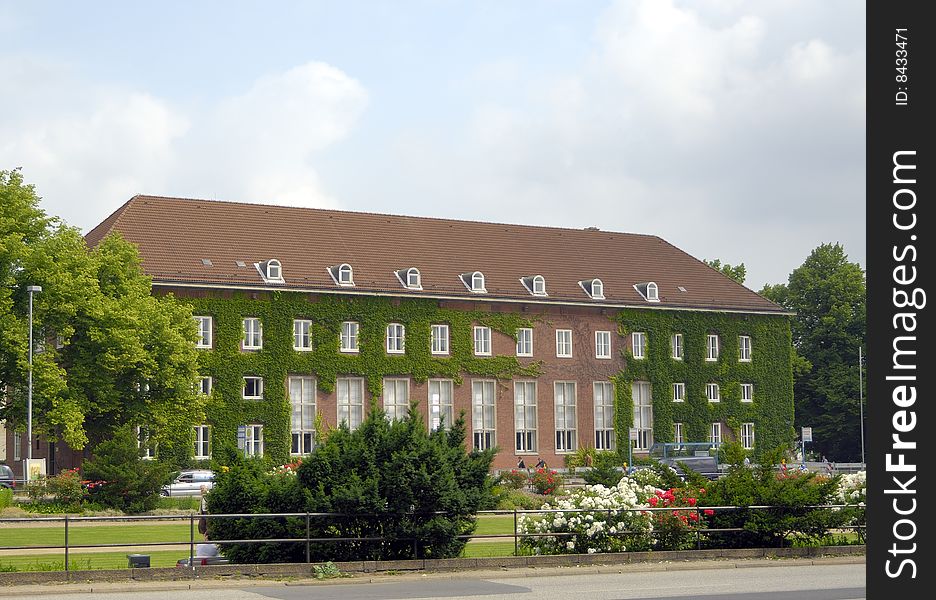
805	437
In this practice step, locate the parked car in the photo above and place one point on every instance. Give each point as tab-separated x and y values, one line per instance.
6	477
189	483
203	560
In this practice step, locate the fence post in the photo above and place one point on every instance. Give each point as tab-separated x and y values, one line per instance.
66	542
516	539
698	532
191	561
308	551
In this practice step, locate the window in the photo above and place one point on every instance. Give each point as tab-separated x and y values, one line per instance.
302	335
345	275
477	282
653	292
539	286
396	338
146	446
302	392
413	278
204	385
604	415
253	334
747	392
678	435
202	442
676	345
602	344
747	436
524	342
597	289
712	348
679	392
525	415
744	348
712	392
639	344
350	401
564	343
349	336
253	388
440	339
643	414
441	412
715	434
274	270
482	341
482	411
17	446
204	333
565	416
253	440
396	398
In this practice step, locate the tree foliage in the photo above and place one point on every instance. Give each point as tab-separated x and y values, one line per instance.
123	479
828	294
107	351
737	272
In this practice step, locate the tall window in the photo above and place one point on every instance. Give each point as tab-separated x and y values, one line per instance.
477	282
253	440
639	344
524	342
602	344
676	346
253	334
204	385
566	431
253	388
350	401
712	392
396	398
747	436
604	415
17	446
440	339
345	275
643	415
482	412
146	446
396	338
302	335
204	332
744	348
678	435
711	349
679	392
482	341
202	442
525	415
597	289
715	434
413	279
302	419
441	411
349	336
564	343
747	392
539	286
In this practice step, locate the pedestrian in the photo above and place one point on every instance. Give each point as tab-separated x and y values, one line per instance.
827	465
541	464
747	461
521	464
203	510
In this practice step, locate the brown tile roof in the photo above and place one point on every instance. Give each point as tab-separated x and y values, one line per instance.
175	234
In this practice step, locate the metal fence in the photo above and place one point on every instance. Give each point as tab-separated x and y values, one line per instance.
700	532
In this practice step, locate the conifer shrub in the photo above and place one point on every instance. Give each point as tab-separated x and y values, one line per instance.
120	477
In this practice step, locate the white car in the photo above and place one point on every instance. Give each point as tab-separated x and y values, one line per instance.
189	483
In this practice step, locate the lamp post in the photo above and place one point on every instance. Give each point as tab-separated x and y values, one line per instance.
861	403
31	289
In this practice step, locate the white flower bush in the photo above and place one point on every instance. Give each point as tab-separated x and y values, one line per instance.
594	519
852	488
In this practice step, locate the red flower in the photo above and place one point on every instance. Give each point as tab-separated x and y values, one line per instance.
652	500
709	512
691	501
694	516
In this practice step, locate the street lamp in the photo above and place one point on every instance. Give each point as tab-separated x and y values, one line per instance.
31	289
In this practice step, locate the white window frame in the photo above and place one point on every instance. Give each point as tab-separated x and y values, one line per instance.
477	282
205	384
676	346
259	386
679	391
747	436
715	434
603	401
539	285
302	332
349	337
17	446
396	407
566	414
413	279
202	442
525	341
643	409
396	338
483	414
274	264
747	392
603	344
653	292
679	436
525	417
439	339
441	403
639	345
253	440
143	443
744	348
713	392
253	332
560	343
345	274
205	332
353	408
712	347
599	294
302	413
482	340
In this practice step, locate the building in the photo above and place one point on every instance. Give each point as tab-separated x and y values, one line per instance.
547	339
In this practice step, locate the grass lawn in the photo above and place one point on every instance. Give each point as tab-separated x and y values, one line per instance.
488	549
100	560
495	525
133	533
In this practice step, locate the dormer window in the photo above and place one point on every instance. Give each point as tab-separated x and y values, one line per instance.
649	291
271	271
594	288
536	284
410	278
474	282
342	274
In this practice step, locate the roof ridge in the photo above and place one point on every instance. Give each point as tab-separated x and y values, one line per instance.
93	237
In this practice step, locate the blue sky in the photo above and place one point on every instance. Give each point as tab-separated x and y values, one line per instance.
732	129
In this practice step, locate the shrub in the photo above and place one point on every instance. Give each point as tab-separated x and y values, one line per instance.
66	489
6	498
509	499
546	481
605	469
36	489
512	479
120	477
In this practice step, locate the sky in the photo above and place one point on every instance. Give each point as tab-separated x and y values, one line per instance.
733	129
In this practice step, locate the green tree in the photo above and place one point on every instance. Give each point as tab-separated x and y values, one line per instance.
737	272
828	294
127	482
108	352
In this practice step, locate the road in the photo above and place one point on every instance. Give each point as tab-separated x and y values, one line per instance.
715	580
